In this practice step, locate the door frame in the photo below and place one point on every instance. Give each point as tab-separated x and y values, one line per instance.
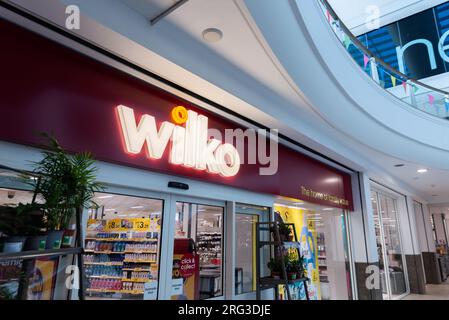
249	295
396	197
170	240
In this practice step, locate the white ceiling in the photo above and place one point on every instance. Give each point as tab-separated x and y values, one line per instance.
195	16
151	8
120	206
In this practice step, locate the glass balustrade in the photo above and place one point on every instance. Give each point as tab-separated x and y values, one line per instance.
415	93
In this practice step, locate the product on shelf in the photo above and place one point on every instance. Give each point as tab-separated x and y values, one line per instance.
119	262
209	247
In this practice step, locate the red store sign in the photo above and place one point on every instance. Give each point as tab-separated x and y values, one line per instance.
49	88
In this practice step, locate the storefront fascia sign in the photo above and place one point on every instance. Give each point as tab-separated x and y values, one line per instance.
190	144
331	199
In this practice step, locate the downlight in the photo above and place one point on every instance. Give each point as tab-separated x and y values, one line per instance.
212	35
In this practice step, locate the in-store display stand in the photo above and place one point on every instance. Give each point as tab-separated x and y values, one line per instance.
277	247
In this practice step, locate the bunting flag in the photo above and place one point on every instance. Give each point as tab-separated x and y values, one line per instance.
346	41
365	60
446	104
404	84
393	81
431	99
415	88
328	14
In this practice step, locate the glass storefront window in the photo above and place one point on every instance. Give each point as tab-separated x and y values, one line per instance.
122	247
203	225
245	246
391	262
324	243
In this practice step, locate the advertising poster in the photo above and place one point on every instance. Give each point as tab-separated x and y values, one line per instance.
185	273
297	292
10	271
42	279
307	235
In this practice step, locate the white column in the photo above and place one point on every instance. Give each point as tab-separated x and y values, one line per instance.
439	227
428	228
362	222
229	258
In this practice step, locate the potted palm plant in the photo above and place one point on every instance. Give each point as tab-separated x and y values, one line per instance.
66	184
23	227
36	236
12	229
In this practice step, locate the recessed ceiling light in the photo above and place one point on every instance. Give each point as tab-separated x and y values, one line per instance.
137	207
328	209
110	210
399	165
212	35
422	170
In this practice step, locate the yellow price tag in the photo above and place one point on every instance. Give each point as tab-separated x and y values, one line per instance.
142	224
113	225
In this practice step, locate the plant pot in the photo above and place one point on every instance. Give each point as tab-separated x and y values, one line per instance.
54	239
68	238
275	275
291	276
13	244
36	242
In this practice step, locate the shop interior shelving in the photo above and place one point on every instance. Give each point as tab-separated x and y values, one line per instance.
129	272
276	247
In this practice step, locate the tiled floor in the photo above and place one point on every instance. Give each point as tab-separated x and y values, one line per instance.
433	292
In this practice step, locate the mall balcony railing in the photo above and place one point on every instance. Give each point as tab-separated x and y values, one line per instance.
411	91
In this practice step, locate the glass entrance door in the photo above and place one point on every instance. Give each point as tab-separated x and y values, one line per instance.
391	257
198	250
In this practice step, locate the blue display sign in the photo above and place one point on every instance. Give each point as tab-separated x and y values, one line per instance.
418	45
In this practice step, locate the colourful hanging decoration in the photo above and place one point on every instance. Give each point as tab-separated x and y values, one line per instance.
365	60
404	84
431	99
393	81
415	88
328	14
446	104
346	41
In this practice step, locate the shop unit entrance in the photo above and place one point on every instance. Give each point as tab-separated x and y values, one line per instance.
392	263
198	229
145	245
